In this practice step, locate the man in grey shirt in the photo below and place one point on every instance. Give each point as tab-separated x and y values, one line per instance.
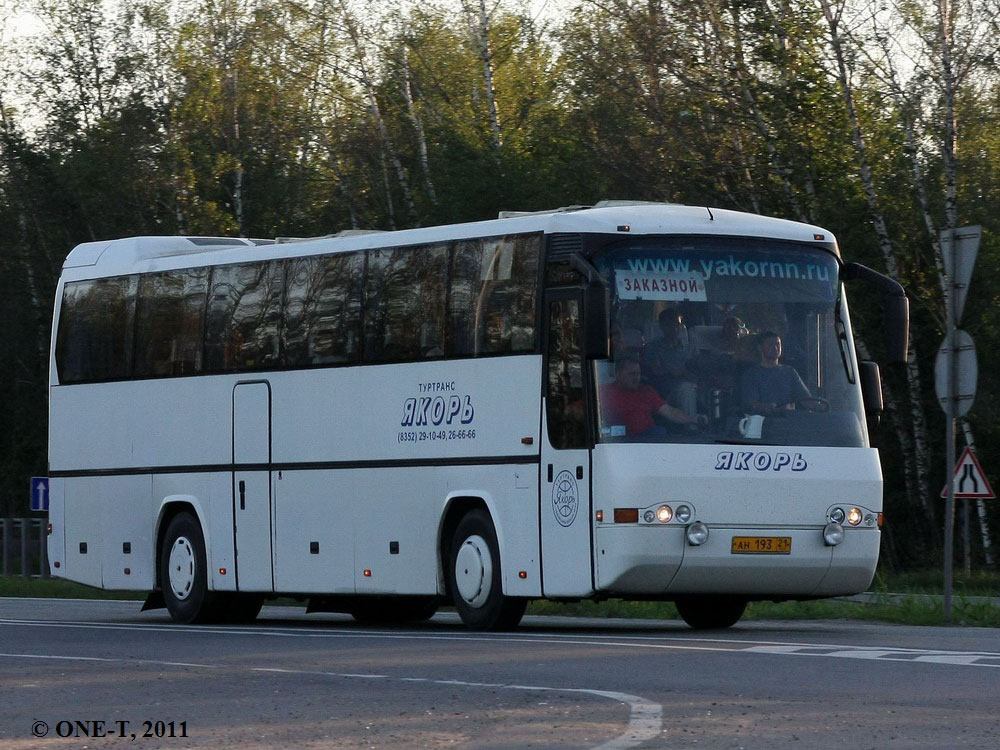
770	388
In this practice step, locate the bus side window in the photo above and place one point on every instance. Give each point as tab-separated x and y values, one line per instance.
564	402
95	330
323	310
405	303
493	295
244	311
169	320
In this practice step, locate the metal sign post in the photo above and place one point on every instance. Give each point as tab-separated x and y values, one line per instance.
958	248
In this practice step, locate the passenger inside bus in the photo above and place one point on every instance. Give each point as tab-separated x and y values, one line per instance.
667	362
630	404
771	387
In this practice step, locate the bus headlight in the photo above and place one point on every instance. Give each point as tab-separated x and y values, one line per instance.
854	516
697	534
683	513
833	534
664	514
837	515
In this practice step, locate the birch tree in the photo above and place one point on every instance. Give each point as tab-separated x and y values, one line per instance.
833	13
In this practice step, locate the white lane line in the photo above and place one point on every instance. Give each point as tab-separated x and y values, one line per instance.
884	653
862	654
104	659
645	717
960	659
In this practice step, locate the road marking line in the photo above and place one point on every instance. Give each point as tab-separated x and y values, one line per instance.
645	717
884	653
104	659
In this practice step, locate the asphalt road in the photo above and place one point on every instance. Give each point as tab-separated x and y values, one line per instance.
98	674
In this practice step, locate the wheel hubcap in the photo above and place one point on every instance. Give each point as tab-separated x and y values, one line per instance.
181	567
474	571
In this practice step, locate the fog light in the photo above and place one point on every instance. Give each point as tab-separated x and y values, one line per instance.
837	515
664	514
697	534
833	534
854	516
683	513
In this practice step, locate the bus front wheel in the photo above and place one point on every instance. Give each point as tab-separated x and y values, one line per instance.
183	571
710	612
474	578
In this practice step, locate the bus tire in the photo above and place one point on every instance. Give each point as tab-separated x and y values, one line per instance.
184	572
710	612
474	578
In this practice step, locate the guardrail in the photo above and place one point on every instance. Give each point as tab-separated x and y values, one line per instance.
23	547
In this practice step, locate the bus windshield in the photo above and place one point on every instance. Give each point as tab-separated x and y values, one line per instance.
736	340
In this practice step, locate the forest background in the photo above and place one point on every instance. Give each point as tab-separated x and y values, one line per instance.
877	119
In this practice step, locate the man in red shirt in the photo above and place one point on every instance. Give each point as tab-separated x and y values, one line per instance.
631	403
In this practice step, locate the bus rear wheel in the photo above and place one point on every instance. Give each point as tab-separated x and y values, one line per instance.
184	572
474	578
710	612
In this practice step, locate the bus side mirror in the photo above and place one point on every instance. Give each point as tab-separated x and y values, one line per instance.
597	325
897	317
871	389
895	305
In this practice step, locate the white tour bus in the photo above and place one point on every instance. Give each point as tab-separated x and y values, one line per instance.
384	422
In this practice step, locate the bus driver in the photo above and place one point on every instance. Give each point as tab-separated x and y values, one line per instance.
770	387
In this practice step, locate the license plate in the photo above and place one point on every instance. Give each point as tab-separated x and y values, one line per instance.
762	545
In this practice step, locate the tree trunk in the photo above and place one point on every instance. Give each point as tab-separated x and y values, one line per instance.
921	449
418	129
481	36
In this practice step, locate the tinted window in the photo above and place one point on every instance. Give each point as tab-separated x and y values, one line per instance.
493	295
244	315
95	326
456	299
565	411
405	303
323	310
169	322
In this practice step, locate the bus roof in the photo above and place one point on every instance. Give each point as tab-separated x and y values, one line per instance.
131	254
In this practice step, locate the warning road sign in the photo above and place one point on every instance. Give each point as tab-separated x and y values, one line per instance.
970	479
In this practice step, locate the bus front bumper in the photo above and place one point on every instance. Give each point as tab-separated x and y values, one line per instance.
762	563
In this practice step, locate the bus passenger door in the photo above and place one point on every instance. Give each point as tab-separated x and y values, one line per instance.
565	483
252	485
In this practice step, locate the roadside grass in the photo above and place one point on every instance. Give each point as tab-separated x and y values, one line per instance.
907	604
978	583
56	588
908	609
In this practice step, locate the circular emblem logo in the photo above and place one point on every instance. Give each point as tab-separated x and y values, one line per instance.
565	498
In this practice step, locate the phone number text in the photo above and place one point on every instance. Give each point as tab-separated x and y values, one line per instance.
421	436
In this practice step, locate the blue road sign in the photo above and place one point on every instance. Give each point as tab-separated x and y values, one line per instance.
39	493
